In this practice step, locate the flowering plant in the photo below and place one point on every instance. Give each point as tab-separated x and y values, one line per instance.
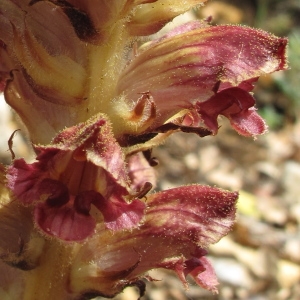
81	220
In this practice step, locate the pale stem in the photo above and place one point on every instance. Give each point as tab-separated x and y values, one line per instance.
49	280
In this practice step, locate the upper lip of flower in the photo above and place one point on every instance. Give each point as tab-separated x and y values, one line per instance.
197	64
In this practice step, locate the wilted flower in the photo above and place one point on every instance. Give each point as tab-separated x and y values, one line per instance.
81	217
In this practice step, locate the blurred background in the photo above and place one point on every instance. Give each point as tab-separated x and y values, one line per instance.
260	258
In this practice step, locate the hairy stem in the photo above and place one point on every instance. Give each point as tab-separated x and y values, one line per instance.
50	279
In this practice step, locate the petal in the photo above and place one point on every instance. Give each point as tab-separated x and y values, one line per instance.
185	68
93	141
206	213
237	105
58	217
20	247
47	66
207	278
140	171
121	215
4	68
178	223
199	267
74	223
64	222
150	17
22	179
248	123
33	44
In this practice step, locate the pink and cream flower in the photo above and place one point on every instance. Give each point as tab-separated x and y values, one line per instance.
95	105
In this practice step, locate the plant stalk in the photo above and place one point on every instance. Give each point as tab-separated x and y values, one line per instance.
50	279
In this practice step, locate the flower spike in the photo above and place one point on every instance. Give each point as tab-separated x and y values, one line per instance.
85	211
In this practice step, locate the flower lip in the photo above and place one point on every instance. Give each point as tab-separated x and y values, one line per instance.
237	105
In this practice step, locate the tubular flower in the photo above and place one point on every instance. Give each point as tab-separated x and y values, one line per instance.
84	165
95	105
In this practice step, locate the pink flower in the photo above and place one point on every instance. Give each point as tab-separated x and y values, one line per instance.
208	70
83	166
94	110
179	225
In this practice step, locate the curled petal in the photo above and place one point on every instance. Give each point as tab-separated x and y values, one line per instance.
237	105
207	278
178	224
248	123
199	267
129	122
